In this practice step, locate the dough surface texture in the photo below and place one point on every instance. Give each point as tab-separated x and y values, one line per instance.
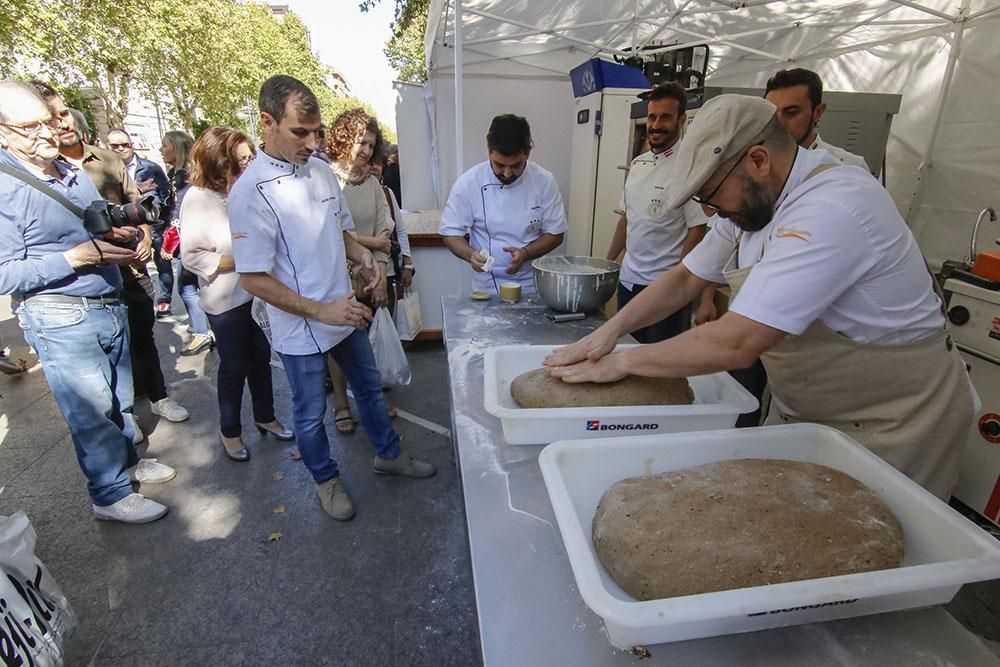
741	523
537	389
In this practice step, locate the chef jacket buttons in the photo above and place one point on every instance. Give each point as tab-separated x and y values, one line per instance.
990	428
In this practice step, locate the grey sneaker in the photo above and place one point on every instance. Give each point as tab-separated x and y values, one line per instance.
404	465
169	409
148	471
334	499
133	508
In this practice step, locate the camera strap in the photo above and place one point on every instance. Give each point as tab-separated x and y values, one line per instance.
40	185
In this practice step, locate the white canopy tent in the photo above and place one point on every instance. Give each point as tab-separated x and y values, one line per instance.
943	157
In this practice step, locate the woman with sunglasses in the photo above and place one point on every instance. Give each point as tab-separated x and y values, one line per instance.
218	158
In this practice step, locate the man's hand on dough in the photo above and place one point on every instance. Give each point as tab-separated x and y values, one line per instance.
591	347
609	368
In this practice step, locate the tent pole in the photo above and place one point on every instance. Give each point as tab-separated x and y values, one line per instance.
926	160
459	92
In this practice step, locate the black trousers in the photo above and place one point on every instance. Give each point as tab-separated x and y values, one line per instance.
244	356
666	328
138	294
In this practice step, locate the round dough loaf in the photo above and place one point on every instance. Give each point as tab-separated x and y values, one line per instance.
741	523
538	389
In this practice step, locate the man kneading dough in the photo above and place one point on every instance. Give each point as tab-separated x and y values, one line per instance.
830	290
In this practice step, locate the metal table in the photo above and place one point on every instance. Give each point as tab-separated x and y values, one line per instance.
530	612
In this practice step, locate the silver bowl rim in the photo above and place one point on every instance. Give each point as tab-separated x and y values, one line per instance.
609	268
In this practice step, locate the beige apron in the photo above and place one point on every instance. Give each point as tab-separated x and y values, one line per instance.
909	404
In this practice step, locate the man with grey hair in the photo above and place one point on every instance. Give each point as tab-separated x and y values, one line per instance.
65	286
830	291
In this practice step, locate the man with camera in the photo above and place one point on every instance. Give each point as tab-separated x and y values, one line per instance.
117	187
65	288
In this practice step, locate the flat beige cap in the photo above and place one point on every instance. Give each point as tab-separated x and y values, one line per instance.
723	128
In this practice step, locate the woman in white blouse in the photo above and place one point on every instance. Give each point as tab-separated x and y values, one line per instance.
218	158
352	141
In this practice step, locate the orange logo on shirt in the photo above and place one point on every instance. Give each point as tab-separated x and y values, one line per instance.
793	232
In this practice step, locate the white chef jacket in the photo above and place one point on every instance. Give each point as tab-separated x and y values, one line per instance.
288	221
497	216
843	156
655	234
837	250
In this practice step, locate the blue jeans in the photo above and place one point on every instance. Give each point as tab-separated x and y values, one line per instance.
84	350
244	356
164	267
187	287
666	328
307	377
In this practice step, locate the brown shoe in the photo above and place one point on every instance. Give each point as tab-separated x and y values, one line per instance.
403	465
334	499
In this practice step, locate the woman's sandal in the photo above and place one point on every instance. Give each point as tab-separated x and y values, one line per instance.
344	422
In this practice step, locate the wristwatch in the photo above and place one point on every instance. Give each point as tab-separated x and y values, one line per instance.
409	267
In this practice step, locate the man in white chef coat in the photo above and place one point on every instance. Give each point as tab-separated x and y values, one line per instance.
798	94
655	238
509	207
830	291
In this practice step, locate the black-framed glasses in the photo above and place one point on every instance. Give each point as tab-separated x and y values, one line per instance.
707	199
33	129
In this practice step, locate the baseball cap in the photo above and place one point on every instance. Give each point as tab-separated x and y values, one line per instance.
722	129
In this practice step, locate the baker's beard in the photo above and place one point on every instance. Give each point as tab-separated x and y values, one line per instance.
758	206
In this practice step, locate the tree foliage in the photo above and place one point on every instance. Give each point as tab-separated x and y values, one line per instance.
405	48
204	60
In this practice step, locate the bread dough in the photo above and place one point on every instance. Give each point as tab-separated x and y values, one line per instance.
538	389
740	523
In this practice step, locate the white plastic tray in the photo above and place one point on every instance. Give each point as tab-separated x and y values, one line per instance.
718	401
943	550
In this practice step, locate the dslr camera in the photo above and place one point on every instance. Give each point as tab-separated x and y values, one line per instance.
101	216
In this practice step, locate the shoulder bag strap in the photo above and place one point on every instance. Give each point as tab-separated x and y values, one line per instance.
39	185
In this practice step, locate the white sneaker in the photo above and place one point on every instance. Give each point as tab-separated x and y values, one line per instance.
137	434
148	471
133	508
169	409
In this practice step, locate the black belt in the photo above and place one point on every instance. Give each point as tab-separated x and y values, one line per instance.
105	300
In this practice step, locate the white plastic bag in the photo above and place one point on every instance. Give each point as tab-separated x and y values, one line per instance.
389	355
408	321
35	616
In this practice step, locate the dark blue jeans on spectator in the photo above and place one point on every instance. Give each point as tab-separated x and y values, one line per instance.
666	328
164	268
187	287
244	356
84	351
307	376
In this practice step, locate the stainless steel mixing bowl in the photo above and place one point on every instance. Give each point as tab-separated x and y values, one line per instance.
575	284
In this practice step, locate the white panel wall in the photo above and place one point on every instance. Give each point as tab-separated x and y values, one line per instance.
416	160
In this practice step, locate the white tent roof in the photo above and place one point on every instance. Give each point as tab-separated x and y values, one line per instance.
941	55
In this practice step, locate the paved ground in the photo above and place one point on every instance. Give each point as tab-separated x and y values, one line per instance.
204	586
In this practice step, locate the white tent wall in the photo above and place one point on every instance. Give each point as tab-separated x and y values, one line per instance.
547	103
862	45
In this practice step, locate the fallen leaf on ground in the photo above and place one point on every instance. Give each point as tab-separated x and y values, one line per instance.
273	537
280	509
278	476
296	455
640	652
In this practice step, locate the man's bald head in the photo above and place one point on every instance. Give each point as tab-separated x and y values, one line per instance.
15	98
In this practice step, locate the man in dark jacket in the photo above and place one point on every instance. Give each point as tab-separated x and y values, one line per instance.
149	177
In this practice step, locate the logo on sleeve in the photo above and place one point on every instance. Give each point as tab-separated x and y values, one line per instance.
794	233
240	235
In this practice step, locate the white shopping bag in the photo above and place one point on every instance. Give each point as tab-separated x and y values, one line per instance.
408	322
36	616
389	355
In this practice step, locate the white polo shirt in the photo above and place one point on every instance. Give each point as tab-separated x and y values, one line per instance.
843	156
497	216
288	221
837	250
655	234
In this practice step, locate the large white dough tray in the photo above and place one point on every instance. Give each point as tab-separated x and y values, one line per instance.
718	401
943	550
